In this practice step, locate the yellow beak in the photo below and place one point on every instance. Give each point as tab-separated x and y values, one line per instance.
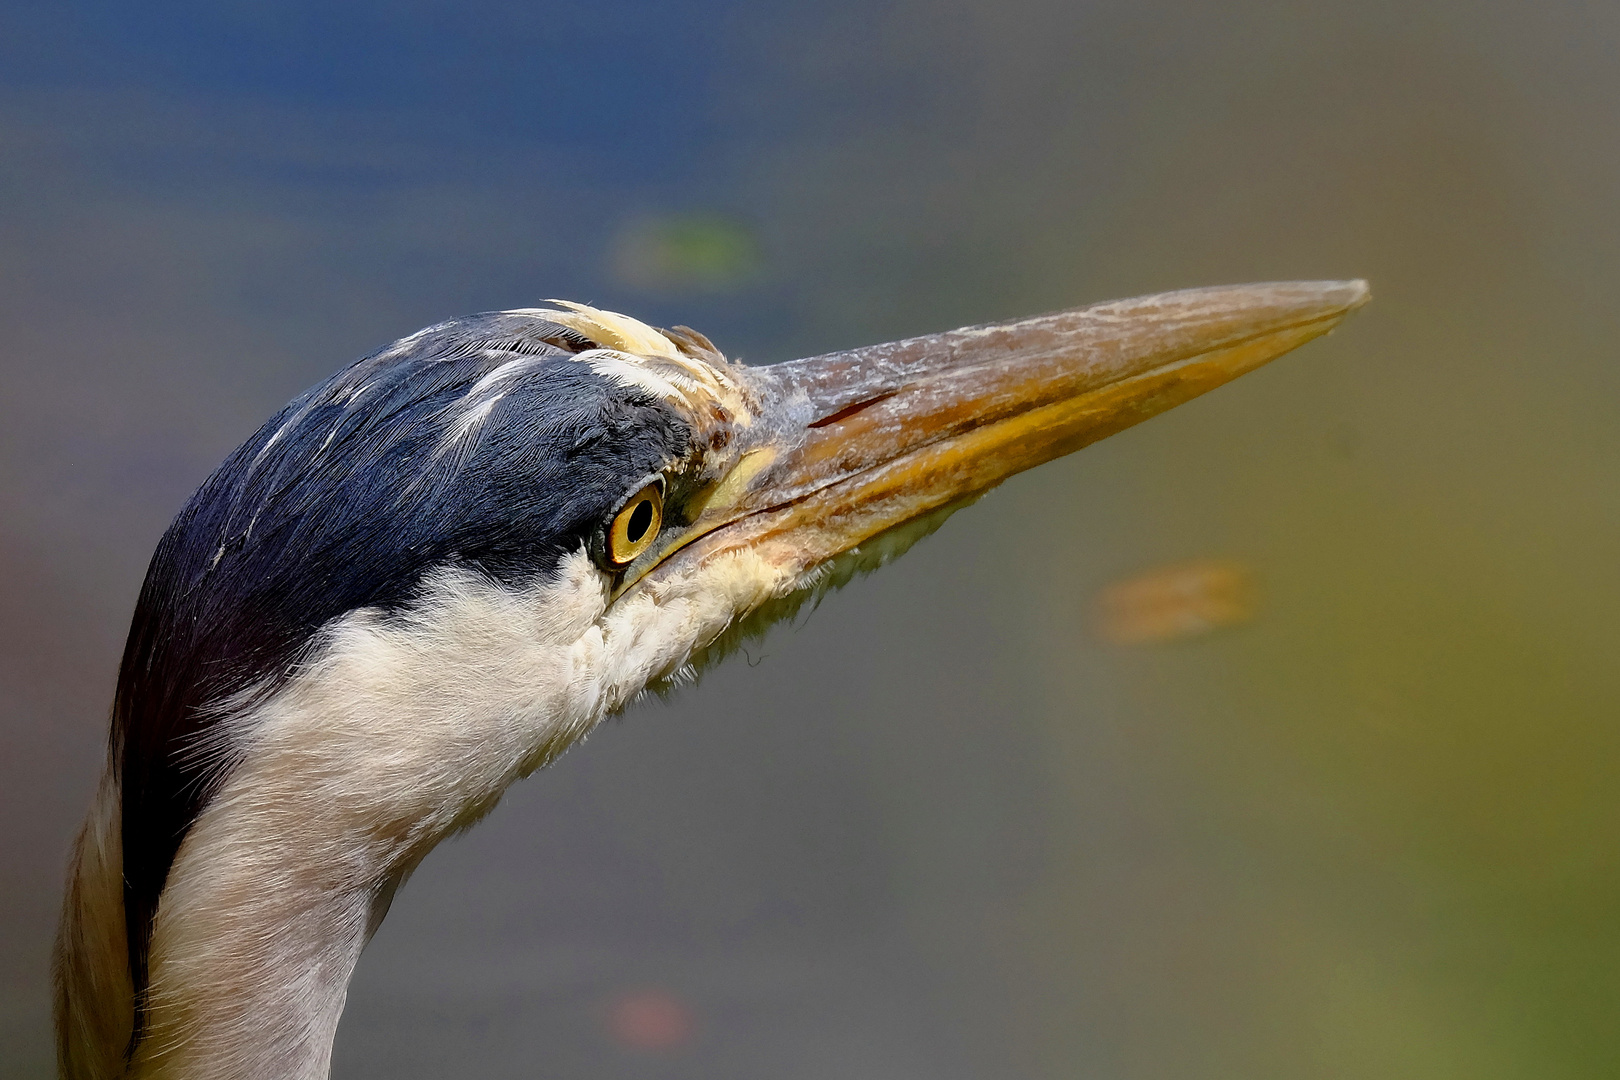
854	444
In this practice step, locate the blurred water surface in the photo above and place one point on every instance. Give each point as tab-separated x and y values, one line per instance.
943	828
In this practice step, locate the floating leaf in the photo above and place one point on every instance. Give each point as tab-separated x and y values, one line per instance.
1177	601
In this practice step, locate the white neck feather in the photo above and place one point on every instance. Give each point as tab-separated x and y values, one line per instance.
400	731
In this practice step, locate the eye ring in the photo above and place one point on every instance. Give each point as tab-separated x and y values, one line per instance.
635	527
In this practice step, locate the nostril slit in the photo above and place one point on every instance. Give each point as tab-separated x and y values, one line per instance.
850	410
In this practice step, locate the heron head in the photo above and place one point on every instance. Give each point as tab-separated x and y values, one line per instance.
432	573
796	476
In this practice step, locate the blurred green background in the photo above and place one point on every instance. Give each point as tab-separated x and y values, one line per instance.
942	828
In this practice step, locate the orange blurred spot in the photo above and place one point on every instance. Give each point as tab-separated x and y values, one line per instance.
650	1020
1178	601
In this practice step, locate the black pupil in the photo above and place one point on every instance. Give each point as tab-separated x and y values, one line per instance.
640	521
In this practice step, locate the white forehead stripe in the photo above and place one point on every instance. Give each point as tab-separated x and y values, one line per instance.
508	370
615	331
634	354
461	437
631	371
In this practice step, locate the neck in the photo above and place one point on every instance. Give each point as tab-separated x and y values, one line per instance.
401	732
250	980
395	736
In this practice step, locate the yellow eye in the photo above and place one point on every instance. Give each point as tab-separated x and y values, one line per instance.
636	526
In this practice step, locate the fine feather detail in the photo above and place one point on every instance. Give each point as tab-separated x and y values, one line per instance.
489	444
401	729
94	1003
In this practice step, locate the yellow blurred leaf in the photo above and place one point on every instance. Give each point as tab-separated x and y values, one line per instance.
1177	601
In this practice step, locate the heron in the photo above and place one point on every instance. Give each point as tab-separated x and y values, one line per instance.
428	576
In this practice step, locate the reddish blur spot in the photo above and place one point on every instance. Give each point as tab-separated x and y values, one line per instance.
650	1020
1178	601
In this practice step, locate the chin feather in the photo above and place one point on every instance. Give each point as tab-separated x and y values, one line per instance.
808	589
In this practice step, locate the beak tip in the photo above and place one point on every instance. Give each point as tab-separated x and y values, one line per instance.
1340	298
1320	302
1327	295
1357	293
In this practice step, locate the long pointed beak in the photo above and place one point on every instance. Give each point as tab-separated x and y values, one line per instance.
850	445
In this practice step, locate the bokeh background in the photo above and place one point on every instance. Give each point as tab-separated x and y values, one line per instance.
953	824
